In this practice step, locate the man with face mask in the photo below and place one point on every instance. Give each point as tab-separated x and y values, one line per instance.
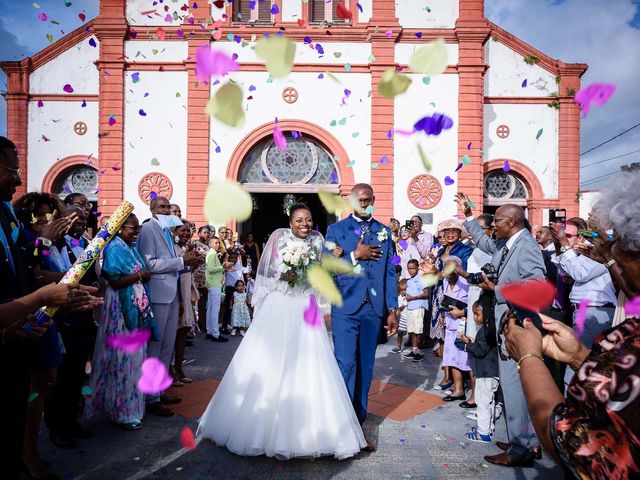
156	244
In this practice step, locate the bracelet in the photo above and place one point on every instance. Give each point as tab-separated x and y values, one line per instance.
610	263
528	356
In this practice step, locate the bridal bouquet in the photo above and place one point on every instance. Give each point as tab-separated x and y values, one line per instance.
297	257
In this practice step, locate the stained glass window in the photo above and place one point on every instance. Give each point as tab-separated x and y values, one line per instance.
304	161
79	180
504	186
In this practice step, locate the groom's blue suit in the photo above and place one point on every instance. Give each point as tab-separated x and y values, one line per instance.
367	299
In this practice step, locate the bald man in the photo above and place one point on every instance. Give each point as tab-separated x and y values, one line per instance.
516	257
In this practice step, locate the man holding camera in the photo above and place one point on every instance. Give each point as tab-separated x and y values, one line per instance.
423	241
515	257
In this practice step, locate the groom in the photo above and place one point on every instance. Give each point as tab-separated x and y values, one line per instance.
369	298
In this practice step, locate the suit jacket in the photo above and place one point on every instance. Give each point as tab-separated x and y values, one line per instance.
162	262
484	356
377	279
523	262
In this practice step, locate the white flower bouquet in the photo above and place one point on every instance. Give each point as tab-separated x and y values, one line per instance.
297	257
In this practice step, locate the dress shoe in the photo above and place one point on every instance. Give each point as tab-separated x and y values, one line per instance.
535	451
466	404
450	398
156	408
62	441
169	399
504	460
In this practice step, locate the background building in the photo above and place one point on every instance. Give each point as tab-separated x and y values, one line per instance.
133	121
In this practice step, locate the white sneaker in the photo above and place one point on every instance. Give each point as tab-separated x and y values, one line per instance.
242	333
472	416
233	332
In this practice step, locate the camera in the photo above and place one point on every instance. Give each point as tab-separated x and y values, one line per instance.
557	215
408	224
477	278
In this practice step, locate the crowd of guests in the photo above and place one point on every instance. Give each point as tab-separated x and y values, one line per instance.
170	278
571	383
164	279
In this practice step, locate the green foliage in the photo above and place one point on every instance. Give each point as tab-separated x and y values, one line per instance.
531	59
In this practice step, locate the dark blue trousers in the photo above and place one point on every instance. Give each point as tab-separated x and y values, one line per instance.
355	339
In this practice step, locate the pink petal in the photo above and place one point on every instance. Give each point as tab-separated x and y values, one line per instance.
581	316
533	295
43	17
188	439
278	139
312	314
155	377
596	93
68	88
211	63
632	307
131	342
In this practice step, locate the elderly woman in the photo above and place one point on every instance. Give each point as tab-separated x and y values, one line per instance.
449	234
593	432
126	310
454	288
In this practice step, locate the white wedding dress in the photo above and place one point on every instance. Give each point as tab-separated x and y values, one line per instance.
283	395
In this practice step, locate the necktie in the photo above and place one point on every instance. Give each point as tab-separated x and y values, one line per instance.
505	251
169	237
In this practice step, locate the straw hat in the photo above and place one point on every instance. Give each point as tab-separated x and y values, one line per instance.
453	224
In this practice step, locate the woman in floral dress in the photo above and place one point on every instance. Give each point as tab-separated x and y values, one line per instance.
126	309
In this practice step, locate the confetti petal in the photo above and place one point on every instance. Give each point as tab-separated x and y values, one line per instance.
506	166
430	279
423	157
226	200
278	54
161	34
524	83
581	316
393	83
430	59
68	88
155	377
92	42
533	295
343	12
322	281
396	260
279	139
337	265
212	63
539	134
40	103
384	160
142	113
312	314
274	9
448	180
596	94
188	439
333	203
43	16
131	342
226	105
434	124
403	244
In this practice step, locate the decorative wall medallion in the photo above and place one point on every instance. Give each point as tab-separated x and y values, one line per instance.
290	95
424	191
156	183
503	131
80	128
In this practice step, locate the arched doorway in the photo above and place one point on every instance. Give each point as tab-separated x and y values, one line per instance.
314	160
278	179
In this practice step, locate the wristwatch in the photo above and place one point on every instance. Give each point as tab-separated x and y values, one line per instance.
565	248
45	241
394	310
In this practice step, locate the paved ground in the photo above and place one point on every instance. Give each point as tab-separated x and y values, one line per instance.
418	436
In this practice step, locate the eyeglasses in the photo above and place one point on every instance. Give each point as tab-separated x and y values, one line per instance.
132	227
570	235
80	204
15	171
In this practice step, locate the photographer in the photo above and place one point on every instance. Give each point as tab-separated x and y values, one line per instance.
515	257
423	241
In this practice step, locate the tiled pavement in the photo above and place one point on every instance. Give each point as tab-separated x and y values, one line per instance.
418	436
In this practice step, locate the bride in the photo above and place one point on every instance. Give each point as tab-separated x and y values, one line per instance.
283	395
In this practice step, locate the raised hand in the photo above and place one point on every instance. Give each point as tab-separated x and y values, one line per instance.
56	228
192	259
463	201
367	252
55	294
561	343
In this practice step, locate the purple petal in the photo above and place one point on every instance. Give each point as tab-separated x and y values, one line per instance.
312	314
384	160
252	88
142	113
581	316
279	140
448	180
155	377
252	5
92	42
347	92
218	149
68	88
632	307
334	177
359	7
524	83
131	342
43	17
389	133
596	93
459	166
210	63
506	166
135	77
403	244
469	146
40	103
274	9
84	103
419	34
396	260
307	39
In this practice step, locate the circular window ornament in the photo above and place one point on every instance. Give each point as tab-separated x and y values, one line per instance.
154	184
503	131
290	95
80	128
297	164
424	191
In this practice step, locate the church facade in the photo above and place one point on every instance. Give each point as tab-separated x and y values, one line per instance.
114	109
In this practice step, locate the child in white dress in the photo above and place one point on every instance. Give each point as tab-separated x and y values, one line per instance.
240	317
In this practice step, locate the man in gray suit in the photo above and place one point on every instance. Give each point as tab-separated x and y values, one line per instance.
516	257
156	245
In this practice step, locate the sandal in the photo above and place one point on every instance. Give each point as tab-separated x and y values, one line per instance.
466	404
133	426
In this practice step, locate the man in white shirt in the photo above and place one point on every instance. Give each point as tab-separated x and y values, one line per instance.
423	241
592	281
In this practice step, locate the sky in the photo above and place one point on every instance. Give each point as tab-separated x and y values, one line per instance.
605	35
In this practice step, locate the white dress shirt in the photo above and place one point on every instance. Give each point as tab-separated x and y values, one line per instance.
592	279
231	277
